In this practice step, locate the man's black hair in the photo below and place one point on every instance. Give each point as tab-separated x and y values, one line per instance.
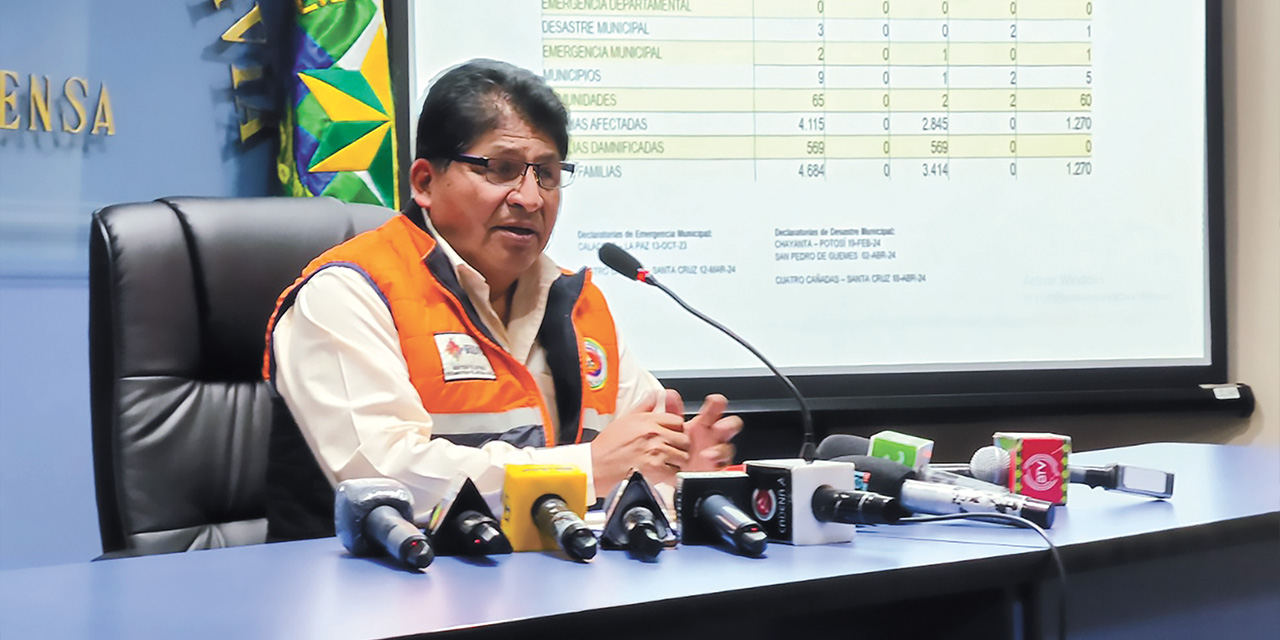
466	102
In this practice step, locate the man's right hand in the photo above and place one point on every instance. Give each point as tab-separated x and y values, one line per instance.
648	439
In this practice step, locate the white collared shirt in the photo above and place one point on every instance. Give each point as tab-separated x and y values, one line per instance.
340	370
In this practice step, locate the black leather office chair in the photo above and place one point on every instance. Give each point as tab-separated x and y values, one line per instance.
179	295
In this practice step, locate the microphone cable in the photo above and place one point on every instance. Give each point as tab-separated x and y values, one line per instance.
808	451
625	264
1026	524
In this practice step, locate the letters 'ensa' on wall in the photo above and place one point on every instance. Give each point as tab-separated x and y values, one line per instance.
44	109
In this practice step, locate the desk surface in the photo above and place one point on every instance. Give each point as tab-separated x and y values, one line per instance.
313	589
1226	486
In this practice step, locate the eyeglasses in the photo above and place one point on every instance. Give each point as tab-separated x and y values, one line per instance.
505	172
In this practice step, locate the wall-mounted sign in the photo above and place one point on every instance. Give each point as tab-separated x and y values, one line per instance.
34	102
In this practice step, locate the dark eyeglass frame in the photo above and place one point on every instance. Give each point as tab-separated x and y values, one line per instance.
566	170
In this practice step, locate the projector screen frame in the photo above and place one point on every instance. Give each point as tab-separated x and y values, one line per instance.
970	394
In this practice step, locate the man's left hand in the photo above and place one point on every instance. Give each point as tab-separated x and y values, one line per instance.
709	432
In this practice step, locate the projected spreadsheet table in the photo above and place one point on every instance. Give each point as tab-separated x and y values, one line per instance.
822	89
940	184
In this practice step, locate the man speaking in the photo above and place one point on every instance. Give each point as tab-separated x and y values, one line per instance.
445	343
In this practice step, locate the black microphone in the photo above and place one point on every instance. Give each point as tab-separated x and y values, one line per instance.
843	444
642	537
991	463
899	481
619	260
463	525
634	520
856	507
880	475
375	515
709	506
482	532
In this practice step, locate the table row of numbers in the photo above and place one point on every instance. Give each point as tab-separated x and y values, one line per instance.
825	100
736	124
591	147
563	52
842	170
960	9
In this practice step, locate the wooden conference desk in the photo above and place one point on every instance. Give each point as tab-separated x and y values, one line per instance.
1127	558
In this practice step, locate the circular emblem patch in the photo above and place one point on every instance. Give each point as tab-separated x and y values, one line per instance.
596	366
764	503
1041	472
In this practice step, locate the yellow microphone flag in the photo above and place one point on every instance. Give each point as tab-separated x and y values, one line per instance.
524	485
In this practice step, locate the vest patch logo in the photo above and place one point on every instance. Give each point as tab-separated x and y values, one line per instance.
596	365
462	358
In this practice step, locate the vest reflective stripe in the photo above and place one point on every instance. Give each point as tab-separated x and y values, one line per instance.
425	301
594	422
530	435
448	424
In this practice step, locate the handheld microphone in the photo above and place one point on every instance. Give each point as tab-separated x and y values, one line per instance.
463	525
619	260
710	507
554	518
940	499
856	507
643	537
375	515
991	463
899	481
634	520
789	501
542	509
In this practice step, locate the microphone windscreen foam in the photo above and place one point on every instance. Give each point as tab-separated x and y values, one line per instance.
990	464
619	260
886	476
842	444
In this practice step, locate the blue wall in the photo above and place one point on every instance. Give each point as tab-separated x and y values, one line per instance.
168	77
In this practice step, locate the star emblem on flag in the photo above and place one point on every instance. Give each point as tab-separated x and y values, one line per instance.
339	138
360	121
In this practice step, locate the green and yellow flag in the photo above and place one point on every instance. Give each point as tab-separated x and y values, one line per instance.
338	136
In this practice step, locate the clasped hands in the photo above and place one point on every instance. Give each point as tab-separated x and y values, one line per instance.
655	439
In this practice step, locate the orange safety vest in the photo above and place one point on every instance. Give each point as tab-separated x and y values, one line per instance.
474	389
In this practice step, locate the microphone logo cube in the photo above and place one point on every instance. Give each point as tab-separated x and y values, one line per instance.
782	496
901	448
1037	465
525	484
